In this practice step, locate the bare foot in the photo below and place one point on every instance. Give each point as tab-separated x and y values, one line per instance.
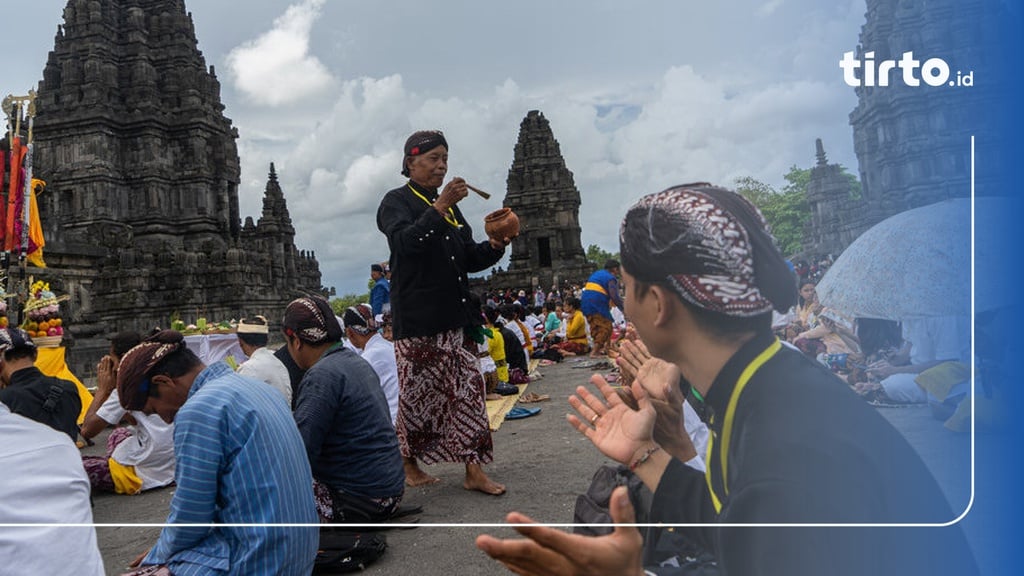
477	480
493	396
414	475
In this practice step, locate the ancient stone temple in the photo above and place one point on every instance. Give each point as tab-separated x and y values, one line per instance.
913	143
837	216
141	212
542	192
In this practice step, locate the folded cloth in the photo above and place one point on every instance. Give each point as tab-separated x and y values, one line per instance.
520	412
940	379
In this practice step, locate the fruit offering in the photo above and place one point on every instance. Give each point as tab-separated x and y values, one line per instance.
42	312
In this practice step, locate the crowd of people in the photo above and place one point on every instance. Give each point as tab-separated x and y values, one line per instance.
729	411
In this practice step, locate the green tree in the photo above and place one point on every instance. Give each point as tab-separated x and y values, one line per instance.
787	211
341	303
598	256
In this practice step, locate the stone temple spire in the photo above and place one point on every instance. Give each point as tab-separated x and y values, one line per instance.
541	190
141	215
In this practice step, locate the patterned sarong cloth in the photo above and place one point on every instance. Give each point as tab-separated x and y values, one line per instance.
600	331
98	467
442	415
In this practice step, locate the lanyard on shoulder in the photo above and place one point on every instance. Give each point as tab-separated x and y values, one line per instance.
730	413
449	217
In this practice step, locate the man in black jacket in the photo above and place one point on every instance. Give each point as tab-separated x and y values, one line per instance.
442	416
29	392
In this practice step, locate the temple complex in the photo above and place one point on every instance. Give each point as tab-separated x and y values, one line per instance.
141	212
542	192
913	143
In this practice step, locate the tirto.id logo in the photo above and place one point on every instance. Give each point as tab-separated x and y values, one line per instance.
933	71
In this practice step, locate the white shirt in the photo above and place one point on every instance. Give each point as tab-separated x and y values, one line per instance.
266	367
150	449
43	482
380	353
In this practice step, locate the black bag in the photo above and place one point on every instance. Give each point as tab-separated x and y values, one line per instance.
343	551
592	507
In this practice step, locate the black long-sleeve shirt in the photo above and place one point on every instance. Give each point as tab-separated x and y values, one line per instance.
430	262
805	449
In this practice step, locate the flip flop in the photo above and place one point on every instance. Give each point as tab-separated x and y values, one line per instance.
531	397
520	412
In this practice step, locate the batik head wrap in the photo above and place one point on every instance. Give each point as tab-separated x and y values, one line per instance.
420	143
711	246
360	318
133	372
311	320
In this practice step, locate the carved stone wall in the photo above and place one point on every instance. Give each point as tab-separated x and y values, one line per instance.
141	212
913	143
836	215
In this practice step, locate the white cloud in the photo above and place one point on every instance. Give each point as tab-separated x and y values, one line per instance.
338	153
277	68
769	8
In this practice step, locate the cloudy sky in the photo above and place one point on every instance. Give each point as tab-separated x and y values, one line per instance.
640	95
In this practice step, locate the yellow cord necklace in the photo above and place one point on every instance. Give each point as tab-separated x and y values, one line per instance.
449	218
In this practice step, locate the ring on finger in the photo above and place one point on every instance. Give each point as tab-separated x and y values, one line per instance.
594	418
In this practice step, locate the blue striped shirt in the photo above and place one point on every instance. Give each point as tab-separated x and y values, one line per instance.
240	460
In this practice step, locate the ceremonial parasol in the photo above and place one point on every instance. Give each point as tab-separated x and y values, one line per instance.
917	263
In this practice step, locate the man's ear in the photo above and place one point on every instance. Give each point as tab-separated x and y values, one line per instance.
664	303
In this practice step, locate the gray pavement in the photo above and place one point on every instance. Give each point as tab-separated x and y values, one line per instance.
544	463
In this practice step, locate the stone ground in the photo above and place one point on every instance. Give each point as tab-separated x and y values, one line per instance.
544	463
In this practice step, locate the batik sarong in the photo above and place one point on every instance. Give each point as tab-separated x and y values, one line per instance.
442	414
98	467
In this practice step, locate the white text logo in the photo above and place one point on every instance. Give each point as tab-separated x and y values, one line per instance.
933	71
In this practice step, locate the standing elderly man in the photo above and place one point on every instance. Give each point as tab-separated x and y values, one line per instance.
380	294
240	460
253	334
442	415
599	294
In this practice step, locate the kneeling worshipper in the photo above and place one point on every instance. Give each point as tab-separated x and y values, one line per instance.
361	330
253	334
240	461
342	415
29	392
140	456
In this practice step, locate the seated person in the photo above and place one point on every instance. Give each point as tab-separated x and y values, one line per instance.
830	334
44	485
239	465
805	311
514	352
139	457
928	342
253	334
29	392
496	352
361	331
576	342
343	418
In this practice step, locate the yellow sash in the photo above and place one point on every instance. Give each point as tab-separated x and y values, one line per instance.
730	412
595	287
